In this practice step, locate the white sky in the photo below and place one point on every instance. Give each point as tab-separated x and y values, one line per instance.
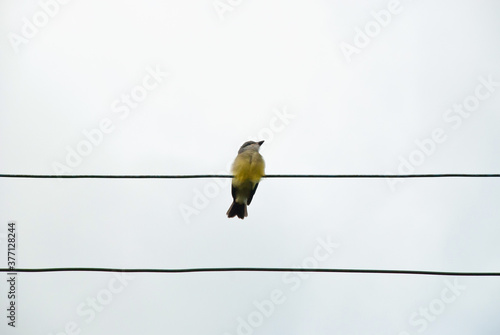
271	70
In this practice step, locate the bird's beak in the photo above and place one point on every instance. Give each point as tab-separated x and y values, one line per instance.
260	143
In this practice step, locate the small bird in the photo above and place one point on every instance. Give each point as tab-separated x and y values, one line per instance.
248	168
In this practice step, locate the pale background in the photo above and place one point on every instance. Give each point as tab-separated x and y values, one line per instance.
271	70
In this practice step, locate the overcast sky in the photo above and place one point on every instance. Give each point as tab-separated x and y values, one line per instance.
175	87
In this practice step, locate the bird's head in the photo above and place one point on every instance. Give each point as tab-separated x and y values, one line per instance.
250	145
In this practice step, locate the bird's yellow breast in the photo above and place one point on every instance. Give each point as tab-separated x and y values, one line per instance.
248	166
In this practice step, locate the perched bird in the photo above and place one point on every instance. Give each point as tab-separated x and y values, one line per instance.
248	168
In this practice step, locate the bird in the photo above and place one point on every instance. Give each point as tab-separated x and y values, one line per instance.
248	169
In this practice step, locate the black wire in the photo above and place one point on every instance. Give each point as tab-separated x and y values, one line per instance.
253	269
244	269
114	176
440	175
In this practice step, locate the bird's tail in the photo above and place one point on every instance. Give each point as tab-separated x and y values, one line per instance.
237	209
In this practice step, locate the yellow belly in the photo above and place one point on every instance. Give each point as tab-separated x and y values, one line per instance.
248	166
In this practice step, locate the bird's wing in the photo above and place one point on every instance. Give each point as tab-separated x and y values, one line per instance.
252	192
233	191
